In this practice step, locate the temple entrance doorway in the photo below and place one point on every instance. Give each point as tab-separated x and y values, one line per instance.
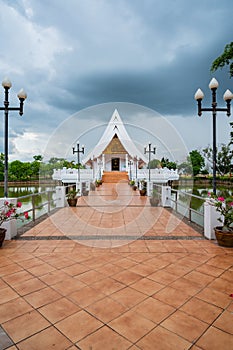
115	164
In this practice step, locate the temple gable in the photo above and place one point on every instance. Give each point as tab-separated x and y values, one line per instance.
115	147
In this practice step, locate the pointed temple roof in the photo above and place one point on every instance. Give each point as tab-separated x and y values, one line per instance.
115	134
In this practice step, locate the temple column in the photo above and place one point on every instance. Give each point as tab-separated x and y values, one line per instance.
126	162
103	161
136	168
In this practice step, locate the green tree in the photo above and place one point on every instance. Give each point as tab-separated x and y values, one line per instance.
154	164
224	157
226	58
231	135
197	161
186	167
69	164
35	169
38	158
55	160
166	163
20	171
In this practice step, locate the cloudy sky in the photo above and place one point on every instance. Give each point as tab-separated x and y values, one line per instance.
73	55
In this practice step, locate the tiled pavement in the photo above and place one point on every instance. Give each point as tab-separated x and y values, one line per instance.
80	280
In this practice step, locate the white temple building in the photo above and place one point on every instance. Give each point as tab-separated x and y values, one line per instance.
115	152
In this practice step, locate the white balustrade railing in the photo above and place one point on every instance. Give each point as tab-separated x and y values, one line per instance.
71	175
162	175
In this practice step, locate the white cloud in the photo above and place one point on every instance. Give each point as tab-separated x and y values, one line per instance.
73	55
29	45
27	145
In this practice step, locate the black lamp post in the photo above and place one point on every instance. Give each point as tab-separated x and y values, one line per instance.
78	151
150	151
22	96
213	85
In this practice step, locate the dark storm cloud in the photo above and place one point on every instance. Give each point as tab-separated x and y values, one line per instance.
73	55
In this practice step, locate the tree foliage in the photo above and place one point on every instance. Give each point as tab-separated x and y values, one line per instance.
186	167
166	163
231	134
193	165
224	157
30	171
38	158
197	161
224	59
154	164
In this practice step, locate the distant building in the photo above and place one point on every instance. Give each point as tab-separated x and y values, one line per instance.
115	150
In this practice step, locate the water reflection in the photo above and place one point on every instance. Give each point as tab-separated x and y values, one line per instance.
184	200
21	191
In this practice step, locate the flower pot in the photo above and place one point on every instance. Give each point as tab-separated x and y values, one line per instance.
2	235
154	202
224	238
72	202
142	192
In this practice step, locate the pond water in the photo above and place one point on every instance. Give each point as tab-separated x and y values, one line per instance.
21	191
185	201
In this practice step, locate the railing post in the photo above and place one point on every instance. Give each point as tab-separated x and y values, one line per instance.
60	196
33	208
190	212
49	198
149	188
210	220
166	196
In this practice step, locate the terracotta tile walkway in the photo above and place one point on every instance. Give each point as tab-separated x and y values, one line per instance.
115	273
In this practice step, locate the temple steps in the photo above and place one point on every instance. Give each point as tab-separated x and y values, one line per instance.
115	176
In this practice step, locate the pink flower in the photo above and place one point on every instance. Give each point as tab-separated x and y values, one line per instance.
26	215
221	199
231	204
209	194
8	214
19	205
6	203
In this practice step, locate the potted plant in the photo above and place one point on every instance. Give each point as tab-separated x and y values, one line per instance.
92	186
143	188
72	197
133	185
224	233
154	199
98	183
9	211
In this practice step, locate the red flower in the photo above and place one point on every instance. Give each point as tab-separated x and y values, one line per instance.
19	205
26	215
221	199
6	203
